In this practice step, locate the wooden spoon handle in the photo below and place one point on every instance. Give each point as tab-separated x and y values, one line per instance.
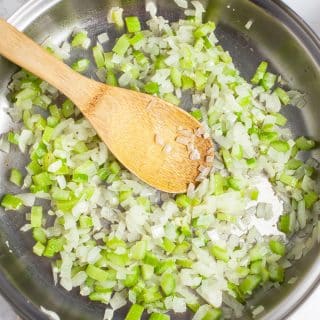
23	51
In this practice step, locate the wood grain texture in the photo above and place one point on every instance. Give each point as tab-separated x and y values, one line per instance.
127	121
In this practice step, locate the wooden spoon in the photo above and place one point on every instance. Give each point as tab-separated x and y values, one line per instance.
127	121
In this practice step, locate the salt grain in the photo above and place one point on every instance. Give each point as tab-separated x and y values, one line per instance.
195	155
183	140
167	148
159	140
209	159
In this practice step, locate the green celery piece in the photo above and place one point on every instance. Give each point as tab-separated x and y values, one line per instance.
266	136
124	195
13	137
283	96
147	271
132	278
16	177
42	179
39	235
60	194
213	314
111	78
294	164
280	119
280	145
182	248
277	247
151	259
78	39
47	134
151	87
81	65
138	250
144	202
304	144
36	216
310	199
99	274
219	253
289	180
122	45
268	81
150	295
171	98
85	222
98	56
159	316
204	29
103	297
196	113
284	223
38	249
67	108
183	201
249	284
255	267
133	24
168	284
114	243
200	80
227	158
236	290
254	194
184	263
166	265
11	202
219	183
80	178
234	183
54	246
114	167
260	72
187	82
221	216
193	307
175	77
276	273
255	253
135	312
136	38
118	259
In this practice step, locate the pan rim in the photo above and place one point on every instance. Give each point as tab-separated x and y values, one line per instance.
32	9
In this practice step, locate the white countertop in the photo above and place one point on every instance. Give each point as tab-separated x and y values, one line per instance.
309	10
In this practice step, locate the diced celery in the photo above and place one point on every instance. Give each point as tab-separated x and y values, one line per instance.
39	235
284	223
54	246
16	177
165	266
283	96
159	316
138	250
304	144
227	158
81	65
79	39
294	164
47	134
175	76
67	108
38	249
151	259
147	271
103	297
277	247
204	29
260	72
151	87
13	137
268	81
11	202
124	195
249	284
187	82
98	56
168	245
36	216
280	145
184	263
276	273
115	243
136	38
310	199
254	194
183	201
133	24
122	45
219	253
99	274
85	222
196	113
213	314
135	312
200	80
132	278
171	98
168	284
42	179
234	183
289	180
219	183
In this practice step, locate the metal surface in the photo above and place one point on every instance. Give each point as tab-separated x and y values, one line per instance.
277	34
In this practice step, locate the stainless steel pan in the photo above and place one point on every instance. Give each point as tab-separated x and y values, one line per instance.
277	35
